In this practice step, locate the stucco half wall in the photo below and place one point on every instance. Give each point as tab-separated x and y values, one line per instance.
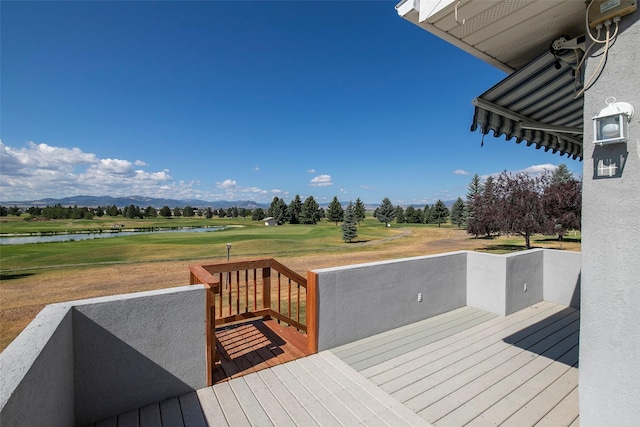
358	301
81	361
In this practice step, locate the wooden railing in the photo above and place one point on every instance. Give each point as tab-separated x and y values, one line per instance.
248	289
258	288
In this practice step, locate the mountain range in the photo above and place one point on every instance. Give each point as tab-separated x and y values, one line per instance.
93	201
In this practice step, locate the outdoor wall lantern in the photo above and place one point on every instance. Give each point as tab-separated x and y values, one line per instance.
611	125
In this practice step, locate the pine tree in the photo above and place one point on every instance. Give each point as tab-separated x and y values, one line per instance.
294	209
349	225
427	214
278	210
335	213
386	212
439	213
310	213
360	211
258	214
475	190
400	217
187	212
458	213
562	174
165	211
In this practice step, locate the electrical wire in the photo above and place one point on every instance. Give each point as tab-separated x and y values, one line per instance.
608	41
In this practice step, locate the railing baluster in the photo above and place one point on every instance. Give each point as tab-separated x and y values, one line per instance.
220	291
238	292
222	276
298	305
289	309
246	291
279	297
229	288
255	290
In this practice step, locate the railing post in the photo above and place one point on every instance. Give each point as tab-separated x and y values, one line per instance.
210	333
266	288
312	312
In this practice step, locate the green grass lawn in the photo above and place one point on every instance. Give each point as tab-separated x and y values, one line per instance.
248	238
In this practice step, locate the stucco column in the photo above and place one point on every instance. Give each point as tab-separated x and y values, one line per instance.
610	299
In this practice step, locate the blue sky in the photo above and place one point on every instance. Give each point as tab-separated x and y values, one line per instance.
221	100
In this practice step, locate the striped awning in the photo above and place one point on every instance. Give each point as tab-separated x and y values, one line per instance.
535	104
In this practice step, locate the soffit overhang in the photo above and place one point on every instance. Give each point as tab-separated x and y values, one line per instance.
537	102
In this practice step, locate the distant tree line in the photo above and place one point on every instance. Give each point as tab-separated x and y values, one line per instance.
438	213
507	204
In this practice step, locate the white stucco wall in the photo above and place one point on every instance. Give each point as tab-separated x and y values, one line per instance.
610	300
358	301
81	361
36	372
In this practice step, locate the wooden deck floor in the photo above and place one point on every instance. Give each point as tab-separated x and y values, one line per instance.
517	370
252	346
465	367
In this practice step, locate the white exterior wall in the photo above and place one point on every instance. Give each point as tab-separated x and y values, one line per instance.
82	361
610	300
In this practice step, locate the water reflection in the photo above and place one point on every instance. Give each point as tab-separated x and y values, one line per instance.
99	235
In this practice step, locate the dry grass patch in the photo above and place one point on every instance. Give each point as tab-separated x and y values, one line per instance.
23	294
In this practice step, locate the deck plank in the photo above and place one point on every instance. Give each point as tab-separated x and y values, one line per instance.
108	422
407	381
306	399
294	408
561	339
564	413
337	409
211	408
350	398
538	407
251	346
476	336
230	406
478	396
409	339
347	350
391	410
519	397
250	405
270	404
170	413
150	416
129	419
191	410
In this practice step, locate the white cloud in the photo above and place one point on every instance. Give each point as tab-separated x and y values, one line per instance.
533	171
256	168
537	170
311	170
227	184
321	181
461	172
37	171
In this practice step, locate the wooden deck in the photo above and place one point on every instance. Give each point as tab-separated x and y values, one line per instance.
517	370
465	367
252	346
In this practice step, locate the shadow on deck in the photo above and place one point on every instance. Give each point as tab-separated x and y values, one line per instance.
258	344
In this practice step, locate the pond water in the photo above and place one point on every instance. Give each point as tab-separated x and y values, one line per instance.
66	237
